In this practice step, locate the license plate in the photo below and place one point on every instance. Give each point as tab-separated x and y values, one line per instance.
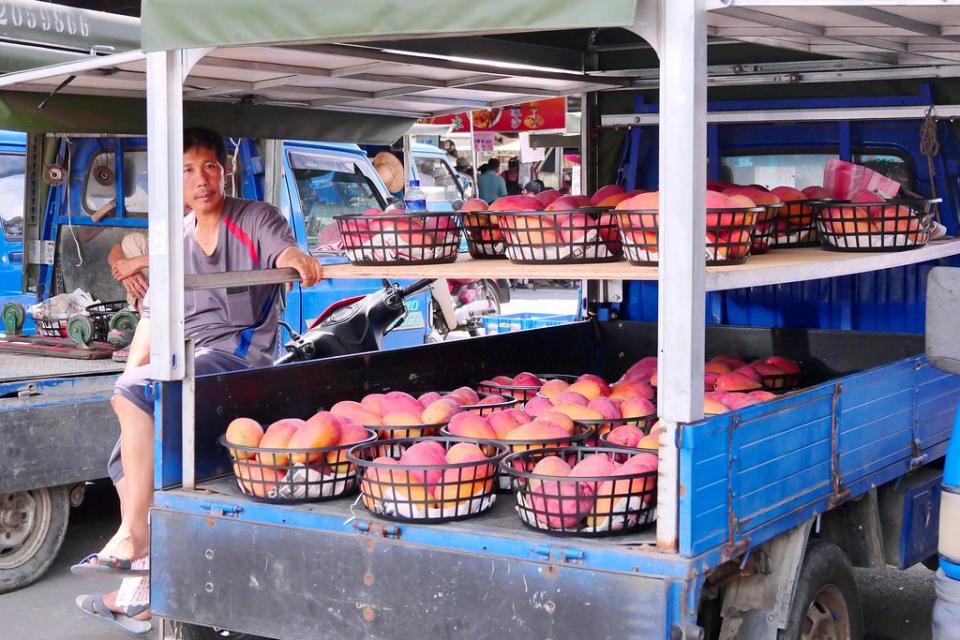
411	321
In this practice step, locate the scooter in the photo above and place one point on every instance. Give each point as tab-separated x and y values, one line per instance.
460	304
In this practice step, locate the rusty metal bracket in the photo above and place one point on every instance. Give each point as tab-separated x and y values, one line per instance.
366	527
734	549
565	555
839	493
733	457
217	509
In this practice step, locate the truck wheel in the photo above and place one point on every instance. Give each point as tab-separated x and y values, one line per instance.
199	632
33	525
826	604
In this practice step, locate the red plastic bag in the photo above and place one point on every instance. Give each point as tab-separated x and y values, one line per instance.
843	179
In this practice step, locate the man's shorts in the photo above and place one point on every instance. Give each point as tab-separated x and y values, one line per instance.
134	386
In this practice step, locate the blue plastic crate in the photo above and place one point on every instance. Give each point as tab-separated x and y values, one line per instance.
522	321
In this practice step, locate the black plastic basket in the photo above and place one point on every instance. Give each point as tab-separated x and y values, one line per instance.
781	381
795	225
894	225
626	451
293	476
521	392
729	235
580	236
433	493
483	235
592	506
763	231
508	402
400	238
605	425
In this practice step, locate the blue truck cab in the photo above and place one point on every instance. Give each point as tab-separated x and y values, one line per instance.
12	163
439	180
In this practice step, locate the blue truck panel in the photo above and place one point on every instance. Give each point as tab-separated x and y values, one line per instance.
746	475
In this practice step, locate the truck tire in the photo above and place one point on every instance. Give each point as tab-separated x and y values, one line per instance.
33	525
199	632
826	603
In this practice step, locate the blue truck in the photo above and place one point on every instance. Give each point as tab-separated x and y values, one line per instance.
55	413
761	512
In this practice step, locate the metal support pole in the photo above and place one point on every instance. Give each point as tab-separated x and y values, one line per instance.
165	181
473	156
683	153
187	412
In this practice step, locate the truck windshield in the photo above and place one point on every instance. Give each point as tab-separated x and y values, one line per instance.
437	180
11	196
99	187
330	186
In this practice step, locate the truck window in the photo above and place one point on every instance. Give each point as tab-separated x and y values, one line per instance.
11	195
801	170
98	191
329	186
797	170
437	180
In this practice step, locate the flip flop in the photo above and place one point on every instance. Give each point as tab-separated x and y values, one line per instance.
107	565
92	604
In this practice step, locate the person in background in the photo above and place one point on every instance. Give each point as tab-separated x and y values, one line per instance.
532	188
490	185
128	263
512	177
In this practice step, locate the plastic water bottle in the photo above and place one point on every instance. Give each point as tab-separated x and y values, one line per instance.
413	198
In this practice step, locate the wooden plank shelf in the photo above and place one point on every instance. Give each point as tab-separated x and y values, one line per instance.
778	266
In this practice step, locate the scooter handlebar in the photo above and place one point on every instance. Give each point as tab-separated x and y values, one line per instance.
416	287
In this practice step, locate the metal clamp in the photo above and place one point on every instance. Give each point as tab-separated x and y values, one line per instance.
383	530
567	555
218	509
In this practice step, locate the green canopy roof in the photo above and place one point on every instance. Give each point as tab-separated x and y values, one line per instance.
187	24
81	114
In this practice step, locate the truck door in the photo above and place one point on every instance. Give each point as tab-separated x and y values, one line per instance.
438	181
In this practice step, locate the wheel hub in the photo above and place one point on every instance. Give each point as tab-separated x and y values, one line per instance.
827	616
25	518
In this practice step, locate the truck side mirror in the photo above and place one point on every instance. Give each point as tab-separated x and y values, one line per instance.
943	318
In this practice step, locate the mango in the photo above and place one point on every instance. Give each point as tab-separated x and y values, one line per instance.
537	406
588	389
553	388
350	433
632	389
245	432
439	412
258	480
277	436
577	412
471	425
321	430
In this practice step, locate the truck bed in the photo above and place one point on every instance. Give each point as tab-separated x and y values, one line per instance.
16	367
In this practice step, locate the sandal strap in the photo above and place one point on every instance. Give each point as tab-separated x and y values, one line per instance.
136	609
95	604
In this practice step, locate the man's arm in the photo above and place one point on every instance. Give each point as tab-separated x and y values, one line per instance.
139	353
307	266
116	253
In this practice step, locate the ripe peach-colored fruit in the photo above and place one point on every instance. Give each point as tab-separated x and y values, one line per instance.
749	372
321	430
399	419
373	402
468	395
491	399
516	203
589	389
717	367
258	480
626	435
735	363
715	200
710	381
425	399
471	425
651	441
461	483
605	192
551	466
788	194
349	434
532	431
520	415
245	432
764	369
502	380
736	400
606	407
474	204
531	230
277	436
816	192
559	419
762	395
553	388
563	203
637	408
375	481
617	198
439	411
735	382
400	402
536	406
464	452
558	503
649	201
610	494
425	453
596	464
355	411
713	407
632	389
502	423
526	379
547	196
577	412
571	397
786	364
573	228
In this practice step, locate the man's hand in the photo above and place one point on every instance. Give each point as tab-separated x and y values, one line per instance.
136	285
124	268
307	266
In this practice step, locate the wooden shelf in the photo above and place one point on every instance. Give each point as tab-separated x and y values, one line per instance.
778	266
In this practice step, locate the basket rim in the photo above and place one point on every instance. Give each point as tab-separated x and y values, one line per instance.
581	433
755	209
544	376
603	438
222	440
853	203
546	213
542	453
361	462
385	215
603	421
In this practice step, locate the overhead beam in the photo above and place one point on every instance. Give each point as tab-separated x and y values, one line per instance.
890	19
793	115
